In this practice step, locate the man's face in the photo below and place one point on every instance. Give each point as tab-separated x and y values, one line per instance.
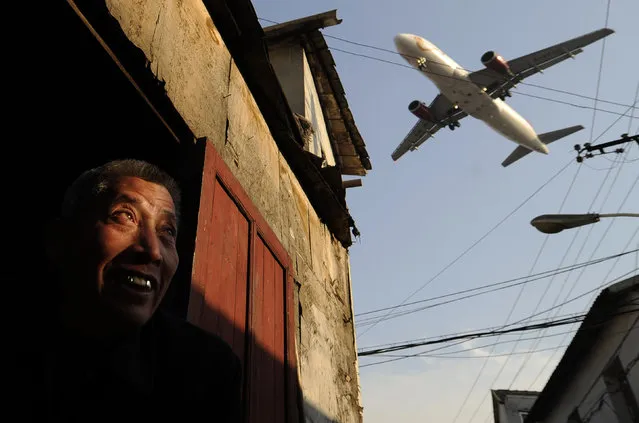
122	260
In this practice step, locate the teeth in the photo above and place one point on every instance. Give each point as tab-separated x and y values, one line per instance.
136	280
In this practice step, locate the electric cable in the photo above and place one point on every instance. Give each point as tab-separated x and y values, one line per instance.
475	335
465	339
601	63
468	70
580	250
459	257
592	291
513	282
481	370
452	354
580	106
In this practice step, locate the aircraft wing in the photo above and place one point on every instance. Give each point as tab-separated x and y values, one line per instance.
525	66
444	114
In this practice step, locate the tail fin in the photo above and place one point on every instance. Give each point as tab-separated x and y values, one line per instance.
546	138
549	137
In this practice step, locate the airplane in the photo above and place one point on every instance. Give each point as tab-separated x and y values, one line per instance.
481	94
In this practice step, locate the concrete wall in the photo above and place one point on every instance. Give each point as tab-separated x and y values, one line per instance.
186	51
587	388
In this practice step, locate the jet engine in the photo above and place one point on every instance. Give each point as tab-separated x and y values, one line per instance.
493	61
420	110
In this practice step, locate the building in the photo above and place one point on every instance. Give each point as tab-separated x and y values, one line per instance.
512	406
306	70
266	229
597	379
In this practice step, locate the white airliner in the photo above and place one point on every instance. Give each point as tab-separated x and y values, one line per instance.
481	94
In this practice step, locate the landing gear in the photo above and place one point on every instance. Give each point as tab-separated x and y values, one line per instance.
504	95
454	125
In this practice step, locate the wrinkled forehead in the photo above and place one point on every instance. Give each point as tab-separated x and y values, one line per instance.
142	193
123	189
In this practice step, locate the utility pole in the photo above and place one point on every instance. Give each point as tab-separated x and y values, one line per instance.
600	148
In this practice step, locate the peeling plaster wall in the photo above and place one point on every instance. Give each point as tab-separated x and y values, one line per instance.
185	50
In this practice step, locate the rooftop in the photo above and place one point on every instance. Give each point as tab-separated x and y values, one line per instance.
348	144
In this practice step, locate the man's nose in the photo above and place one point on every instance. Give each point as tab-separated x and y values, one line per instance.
149	243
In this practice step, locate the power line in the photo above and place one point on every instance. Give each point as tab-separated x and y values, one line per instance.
523	365
598	288
448	356
499	285
465	339
392	344
452	354
510	313
476	335
583	245
390	62
579	106
633	110
615	122
547	286
410	67
601	62
459	257
543	368
545	273
600	241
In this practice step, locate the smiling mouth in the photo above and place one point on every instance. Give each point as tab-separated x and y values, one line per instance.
134	280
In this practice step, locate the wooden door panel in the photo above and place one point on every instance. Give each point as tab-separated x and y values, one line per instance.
239	291
268	319
226	281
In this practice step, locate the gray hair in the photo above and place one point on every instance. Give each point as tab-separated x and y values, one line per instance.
93	183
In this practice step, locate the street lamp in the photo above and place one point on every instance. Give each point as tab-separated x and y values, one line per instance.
555	223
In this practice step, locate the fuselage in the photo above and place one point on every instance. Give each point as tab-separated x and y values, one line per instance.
453	82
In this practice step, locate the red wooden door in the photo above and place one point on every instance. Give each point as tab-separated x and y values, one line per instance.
224	270
241	289
268	322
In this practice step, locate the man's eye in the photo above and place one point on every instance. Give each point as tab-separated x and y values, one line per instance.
123	215
169	231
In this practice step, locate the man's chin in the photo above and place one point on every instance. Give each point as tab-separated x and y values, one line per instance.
127	316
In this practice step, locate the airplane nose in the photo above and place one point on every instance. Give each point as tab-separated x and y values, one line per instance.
401	42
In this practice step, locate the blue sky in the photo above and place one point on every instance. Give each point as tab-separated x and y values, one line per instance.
419	214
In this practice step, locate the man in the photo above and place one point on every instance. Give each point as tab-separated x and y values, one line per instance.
105	351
